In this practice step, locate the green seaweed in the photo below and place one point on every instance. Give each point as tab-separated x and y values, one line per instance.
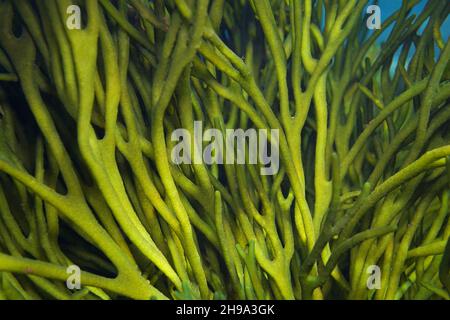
86	178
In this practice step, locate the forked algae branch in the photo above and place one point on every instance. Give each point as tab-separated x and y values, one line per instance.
321	170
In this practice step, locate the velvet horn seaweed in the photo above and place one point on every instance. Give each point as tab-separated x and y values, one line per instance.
321	170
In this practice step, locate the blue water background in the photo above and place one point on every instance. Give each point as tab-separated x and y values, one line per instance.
388	7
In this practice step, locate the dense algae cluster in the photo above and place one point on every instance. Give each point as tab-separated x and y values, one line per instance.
93	205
